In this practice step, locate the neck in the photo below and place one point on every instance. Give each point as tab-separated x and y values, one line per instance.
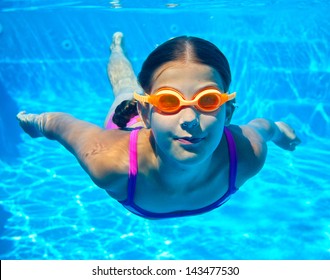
177	175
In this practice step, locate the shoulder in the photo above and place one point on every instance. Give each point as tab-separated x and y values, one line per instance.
251	151
109	159
106	157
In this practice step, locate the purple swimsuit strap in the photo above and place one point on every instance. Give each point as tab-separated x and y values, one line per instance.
232	160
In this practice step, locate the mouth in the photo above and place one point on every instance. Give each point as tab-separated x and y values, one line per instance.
189	140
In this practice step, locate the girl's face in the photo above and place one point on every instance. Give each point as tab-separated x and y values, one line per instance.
188	136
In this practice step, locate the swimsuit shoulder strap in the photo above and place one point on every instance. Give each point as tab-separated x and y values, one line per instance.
133	166
232	160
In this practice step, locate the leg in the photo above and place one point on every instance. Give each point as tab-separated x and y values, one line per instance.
121	74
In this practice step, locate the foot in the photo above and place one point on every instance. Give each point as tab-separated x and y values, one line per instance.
31	123
117	40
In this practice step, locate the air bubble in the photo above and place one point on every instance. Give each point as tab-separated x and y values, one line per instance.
174	28
67	45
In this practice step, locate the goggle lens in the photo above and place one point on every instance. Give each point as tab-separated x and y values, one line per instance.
168	103
209	102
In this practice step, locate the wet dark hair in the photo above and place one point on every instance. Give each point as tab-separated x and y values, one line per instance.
183	48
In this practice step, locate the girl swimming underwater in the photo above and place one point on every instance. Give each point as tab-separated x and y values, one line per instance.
168	148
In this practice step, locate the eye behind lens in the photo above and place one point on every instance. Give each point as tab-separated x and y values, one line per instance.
169	102
209	101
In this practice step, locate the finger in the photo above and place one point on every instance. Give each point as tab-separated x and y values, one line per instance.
293	144
297	141
291	147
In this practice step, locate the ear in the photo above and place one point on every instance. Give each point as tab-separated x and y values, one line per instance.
144	113
230	108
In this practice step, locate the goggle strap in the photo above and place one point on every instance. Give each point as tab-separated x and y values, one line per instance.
231	96
141	98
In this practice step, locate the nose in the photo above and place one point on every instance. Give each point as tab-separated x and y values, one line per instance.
189	118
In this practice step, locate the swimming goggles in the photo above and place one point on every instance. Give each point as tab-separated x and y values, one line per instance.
169	100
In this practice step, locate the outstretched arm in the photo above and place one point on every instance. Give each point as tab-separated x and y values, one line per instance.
69	131
252	141
92	146
278	132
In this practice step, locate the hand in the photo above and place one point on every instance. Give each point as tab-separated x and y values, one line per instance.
31	123
286	137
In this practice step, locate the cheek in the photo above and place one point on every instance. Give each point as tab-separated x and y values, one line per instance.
213	126
163	127
213	122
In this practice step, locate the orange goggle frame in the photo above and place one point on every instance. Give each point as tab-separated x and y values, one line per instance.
170	100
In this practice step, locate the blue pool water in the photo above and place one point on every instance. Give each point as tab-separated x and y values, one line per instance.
53	58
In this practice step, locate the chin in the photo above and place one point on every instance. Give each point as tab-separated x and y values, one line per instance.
190	158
